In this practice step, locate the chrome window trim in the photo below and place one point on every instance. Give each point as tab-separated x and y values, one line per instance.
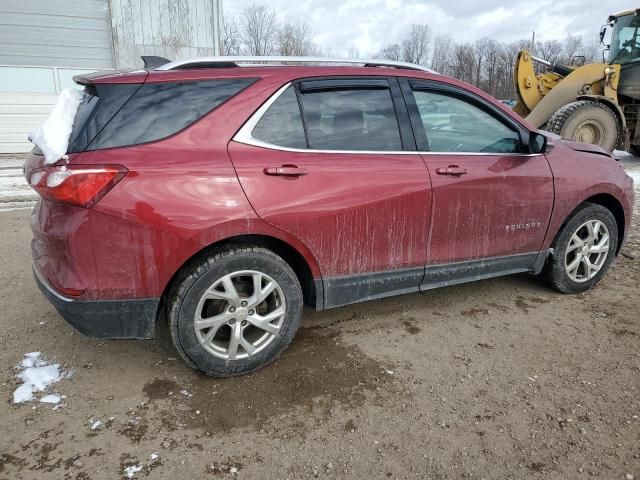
244	135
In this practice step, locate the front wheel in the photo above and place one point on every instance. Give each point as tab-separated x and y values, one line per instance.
583	250
586	121
235	311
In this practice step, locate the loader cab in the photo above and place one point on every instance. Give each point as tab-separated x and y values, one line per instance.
625	37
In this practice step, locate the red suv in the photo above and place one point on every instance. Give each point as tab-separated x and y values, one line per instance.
223	197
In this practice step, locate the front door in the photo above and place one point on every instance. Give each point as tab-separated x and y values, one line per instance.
491	200
328	162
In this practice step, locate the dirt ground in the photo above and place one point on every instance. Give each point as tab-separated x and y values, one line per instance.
502	378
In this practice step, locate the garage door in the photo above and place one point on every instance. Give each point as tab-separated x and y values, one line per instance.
43	43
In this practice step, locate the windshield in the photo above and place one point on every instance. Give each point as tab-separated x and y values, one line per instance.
625	40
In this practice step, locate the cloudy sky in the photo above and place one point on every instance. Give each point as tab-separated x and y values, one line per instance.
368	25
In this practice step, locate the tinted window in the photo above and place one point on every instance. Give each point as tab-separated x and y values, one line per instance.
282	124
351	119
99	104
158	110
454	125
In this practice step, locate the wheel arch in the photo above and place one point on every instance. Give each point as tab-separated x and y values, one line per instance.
312	288
607	201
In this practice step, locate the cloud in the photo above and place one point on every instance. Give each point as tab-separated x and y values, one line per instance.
369	25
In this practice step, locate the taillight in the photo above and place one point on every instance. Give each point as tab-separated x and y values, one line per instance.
80	185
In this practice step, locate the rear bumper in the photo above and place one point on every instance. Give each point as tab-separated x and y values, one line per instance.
128	318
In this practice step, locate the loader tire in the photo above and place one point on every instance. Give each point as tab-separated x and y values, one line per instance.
587	122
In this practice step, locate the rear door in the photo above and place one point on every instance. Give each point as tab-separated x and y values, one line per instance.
491	199
332	162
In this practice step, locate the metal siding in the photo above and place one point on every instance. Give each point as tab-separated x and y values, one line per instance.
83	34
74	33
169	28
20	113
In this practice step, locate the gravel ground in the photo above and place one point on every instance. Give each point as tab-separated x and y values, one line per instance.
501	378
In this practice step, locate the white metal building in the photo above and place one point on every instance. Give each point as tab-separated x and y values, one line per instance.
44	43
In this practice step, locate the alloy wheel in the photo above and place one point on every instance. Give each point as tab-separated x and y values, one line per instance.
240	314
587	251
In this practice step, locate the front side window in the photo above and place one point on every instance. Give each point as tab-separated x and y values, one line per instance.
625	41
351	119
454	125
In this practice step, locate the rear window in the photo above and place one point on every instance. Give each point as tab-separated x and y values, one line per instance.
117	115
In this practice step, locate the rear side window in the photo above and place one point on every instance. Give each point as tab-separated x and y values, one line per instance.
351	119
282	124
122	115
99	104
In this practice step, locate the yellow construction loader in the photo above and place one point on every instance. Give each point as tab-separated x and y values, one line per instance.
596	103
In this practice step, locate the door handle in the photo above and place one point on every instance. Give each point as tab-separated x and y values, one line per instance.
453	170
286	171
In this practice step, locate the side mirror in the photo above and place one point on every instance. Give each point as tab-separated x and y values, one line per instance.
537	143
603	31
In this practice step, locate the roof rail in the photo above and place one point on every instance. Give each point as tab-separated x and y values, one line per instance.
223	62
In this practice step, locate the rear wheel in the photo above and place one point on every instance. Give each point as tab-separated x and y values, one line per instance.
583	249
587	122
235	311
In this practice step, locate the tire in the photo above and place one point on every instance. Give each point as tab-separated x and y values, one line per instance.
565	253
234	311
588	122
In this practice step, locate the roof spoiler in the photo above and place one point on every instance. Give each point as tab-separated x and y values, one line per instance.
152	61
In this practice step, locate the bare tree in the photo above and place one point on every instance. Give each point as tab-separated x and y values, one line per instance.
572	47
463	66
231	41
492	67
258	29
486	63
551	50
353	53
295	39
593	51
441	58
480	52
391	52
415	48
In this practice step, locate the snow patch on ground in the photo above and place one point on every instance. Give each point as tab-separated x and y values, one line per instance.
37	375
131	470
52	137
51	398
15	193
635	174
621	154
